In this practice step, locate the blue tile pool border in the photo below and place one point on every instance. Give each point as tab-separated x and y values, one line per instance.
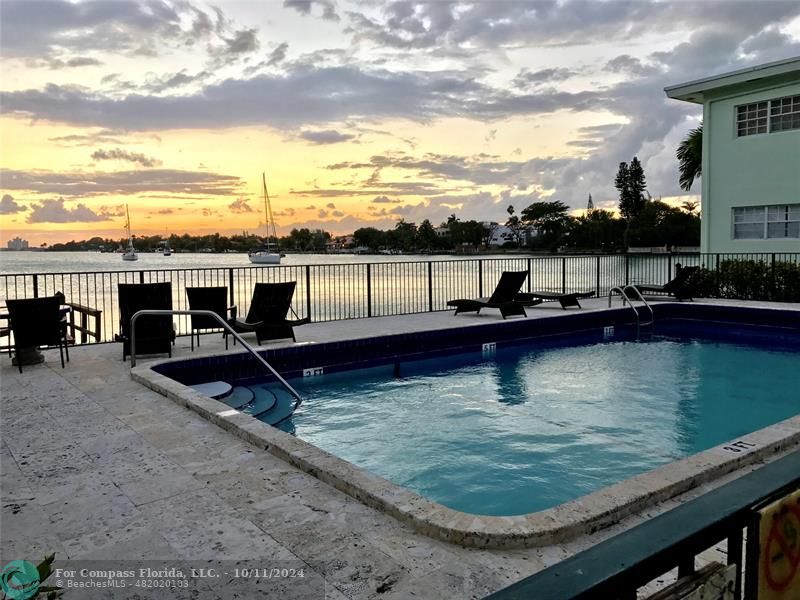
571	519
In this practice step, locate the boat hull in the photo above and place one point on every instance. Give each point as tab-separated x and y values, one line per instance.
265	258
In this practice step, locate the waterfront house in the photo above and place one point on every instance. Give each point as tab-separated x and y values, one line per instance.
751	157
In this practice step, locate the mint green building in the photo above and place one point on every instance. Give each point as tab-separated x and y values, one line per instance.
751	157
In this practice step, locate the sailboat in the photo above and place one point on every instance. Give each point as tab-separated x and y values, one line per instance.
266	254
130	252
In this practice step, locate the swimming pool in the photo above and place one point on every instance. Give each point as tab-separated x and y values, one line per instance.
529	428
516	421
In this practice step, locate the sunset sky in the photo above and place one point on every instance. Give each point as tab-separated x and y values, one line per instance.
360	112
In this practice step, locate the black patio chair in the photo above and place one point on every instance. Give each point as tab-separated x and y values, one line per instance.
267	314
565	299
502	298
680	286
35	323
214	299
155	334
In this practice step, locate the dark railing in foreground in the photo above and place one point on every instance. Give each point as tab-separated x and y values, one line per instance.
357	290
619	566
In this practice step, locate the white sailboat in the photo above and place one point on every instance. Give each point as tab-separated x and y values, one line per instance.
266	254
130	252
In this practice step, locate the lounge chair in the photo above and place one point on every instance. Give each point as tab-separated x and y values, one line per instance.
679	286
155	334
503	297
566	299
209	298
269	307
37	322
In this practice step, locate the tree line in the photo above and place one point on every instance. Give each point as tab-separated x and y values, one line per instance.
545	226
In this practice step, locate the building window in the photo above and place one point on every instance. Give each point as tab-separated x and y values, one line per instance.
751	118
766	222
784	114
779	114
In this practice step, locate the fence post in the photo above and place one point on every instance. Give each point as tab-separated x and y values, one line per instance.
308	291
669	267
480	278
36	286
530	277
369	289
430	286
716	277
230	286
597	290
627	269
141	276
772	281
564	275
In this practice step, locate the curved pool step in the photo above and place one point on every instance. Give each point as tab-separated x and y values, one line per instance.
240	397
282	410
214	389
263	401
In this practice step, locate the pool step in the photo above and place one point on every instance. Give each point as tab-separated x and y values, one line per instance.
214	389
264	400
282	410
240	396
270	404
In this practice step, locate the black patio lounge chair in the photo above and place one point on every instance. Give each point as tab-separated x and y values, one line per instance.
269	307
503	297
680	286
155	334
209	298
565	299
37	322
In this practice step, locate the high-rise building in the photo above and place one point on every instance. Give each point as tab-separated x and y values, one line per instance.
17	244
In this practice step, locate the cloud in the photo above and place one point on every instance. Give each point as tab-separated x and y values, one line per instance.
125	155
526	79
385	200
330	205
326	136
103	136
54	211
305	7
629	65
278	54
9	206
88	184
240	205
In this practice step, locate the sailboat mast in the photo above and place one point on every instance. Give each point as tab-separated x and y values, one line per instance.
271	232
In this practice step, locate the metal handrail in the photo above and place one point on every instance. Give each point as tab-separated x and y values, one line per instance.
226	327
624	298
641	299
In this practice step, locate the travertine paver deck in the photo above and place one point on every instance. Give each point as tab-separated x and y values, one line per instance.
96	466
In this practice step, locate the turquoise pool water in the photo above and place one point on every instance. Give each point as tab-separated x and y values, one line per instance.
527	429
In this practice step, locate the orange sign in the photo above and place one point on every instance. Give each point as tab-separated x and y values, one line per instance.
779	544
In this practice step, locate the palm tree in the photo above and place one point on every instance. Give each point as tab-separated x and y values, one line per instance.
690	155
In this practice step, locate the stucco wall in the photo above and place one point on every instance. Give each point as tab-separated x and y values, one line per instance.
752	170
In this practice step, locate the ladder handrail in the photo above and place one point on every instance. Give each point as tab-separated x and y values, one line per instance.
641	299
624	298
225	326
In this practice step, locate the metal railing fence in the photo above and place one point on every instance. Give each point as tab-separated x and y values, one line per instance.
357	290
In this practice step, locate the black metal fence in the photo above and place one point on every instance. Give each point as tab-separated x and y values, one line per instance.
358	290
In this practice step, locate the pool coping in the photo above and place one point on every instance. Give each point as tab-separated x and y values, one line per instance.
566	521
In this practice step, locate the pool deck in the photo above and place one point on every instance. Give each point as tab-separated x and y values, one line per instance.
94	465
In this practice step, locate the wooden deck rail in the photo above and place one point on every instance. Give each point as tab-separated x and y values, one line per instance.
85	312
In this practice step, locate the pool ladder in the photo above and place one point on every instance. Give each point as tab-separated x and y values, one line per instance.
626	299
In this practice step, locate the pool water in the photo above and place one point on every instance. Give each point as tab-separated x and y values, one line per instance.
529	428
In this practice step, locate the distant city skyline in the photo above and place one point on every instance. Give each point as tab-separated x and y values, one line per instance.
360	113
